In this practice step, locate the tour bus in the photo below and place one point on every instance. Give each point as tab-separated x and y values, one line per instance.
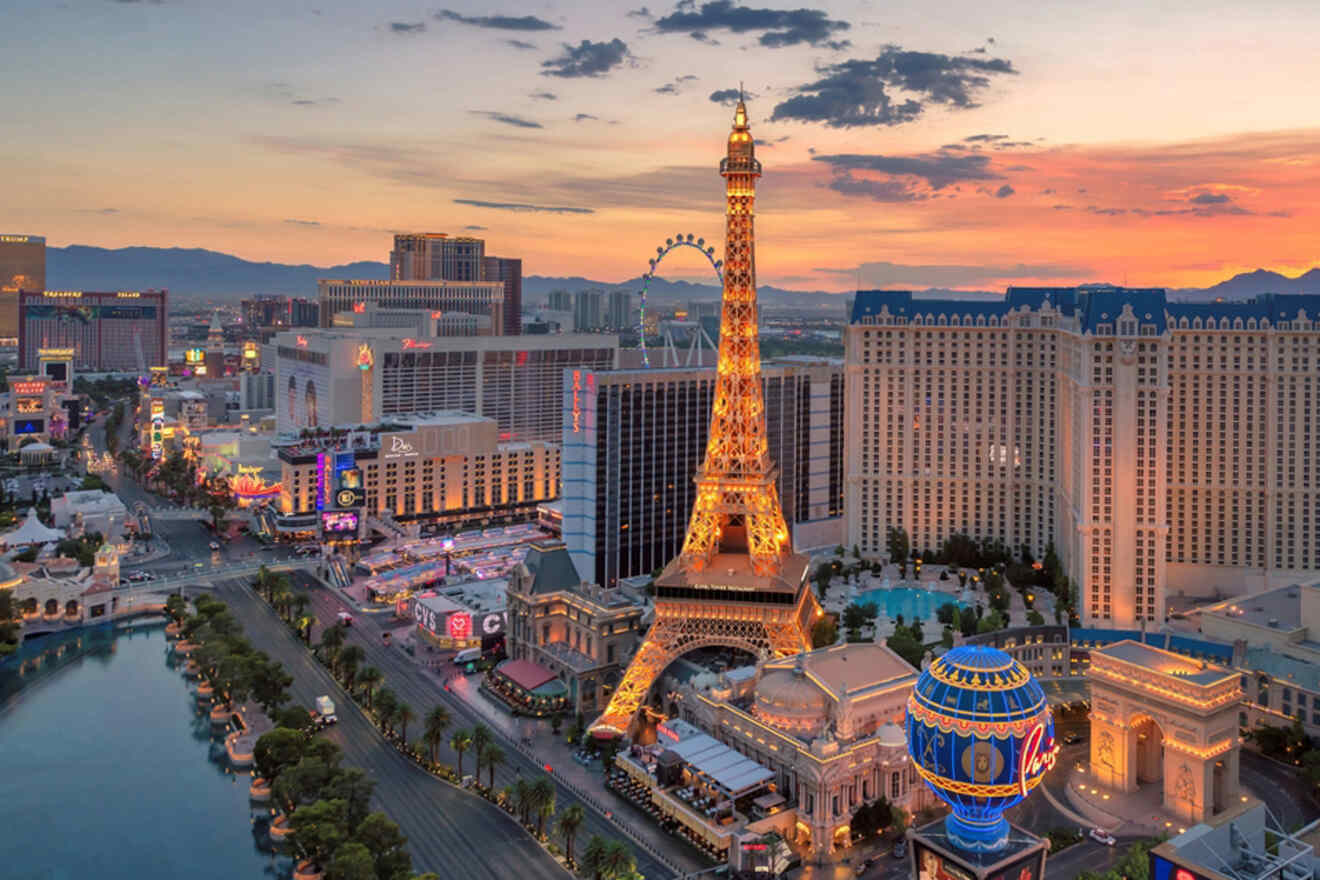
466	656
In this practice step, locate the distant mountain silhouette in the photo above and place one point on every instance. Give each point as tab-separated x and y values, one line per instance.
189	272
199	273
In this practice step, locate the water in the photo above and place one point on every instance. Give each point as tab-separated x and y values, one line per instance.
911	603
108	771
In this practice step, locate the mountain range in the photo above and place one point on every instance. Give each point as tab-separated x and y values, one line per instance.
196	273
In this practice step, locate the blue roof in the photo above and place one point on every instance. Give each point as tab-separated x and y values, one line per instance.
1199	648
1095	304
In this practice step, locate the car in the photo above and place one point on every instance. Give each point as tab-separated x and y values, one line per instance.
1102	837
1073	737
215	545
900	850
345	619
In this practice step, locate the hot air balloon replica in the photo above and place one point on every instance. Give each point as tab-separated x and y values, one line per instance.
981	735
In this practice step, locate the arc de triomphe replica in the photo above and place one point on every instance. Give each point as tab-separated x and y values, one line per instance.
1159	716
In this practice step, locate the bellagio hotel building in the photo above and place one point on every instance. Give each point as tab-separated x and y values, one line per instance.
1165	448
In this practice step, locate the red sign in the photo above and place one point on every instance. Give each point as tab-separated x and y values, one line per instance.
359	308
1037	756
413	343
460	625
664	730
37	387
301	341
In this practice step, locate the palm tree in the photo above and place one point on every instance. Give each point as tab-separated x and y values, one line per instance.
569	822
522	799
369	678
480	737
493	756
460	742
593	859
331	640
619	861
386	704
349	658
405	714
437	722
543	803
263	581
282	601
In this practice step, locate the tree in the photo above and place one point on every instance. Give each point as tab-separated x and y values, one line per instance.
460	742
522	799
991	622
946	638
354	787
593	858
437	722
854	618
917	634
608	859
318	830
1035	618
350	656
492	756
946	613
268	681
569	822
385	842
276	750
404	713
902	644
352	861
369	678
543	802
898	544
480	737
967	621
331	640
386	704
824	633
294	718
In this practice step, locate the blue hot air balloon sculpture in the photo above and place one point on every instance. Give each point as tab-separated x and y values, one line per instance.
981	735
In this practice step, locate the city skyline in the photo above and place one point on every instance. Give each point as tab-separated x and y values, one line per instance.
901	149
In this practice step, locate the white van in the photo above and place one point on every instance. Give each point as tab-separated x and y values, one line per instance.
466	656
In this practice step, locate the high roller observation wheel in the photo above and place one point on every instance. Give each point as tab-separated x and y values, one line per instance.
689	240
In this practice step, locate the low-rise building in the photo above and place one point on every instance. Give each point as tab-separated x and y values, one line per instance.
90	510
583	633
446	468
1044	650
828	723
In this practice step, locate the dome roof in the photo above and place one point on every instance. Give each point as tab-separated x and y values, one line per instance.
789	693
976	684
891	735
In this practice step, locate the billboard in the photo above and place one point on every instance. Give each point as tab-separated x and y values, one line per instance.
932	864
29	426
339	522
1163	869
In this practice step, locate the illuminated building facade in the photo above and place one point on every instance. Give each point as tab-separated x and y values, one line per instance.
437	256
633	439
829	724
446	468
580	632
736	581
22	267
517	381
1157	716
418	322
473	297
121	331
1161	446
35	410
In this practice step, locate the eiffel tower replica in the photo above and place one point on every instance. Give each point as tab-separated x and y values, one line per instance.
737	581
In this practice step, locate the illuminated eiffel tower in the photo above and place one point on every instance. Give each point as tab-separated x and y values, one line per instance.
737	581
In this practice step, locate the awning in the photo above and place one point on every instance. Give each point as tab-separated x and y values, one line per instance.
769	801
729	769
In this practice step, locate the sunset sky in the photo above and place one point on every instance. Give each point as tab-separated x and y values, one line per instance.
955	144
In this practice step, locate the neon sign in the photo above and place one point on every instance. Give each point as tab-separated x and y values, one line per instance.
400	448
577	401
413	343
460	625
54	353
365	359
359	307
1038	756
301	342
14	239
30	387
128	294
63	293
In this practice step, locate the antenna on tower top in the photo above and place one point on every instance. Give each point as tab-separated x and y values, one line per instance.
740	90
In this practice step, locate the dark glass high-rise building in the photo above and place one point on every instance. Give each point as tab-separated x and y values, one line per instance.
508	271
633	439
22	267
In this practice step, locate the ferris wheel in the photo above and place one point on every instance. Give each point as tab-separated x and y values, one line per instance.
671	244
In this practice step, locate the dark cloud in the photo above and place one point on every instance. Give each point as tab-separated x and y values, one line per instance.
588	59
407	27
639	13
675	87
507	119
519	206
667	89
1206	198
499	22
778	27
313	102
584	117
1004	192
303	222
106	212
473	228
703	37
544	96
938	170
687	77
521	44
879	274
728	97
857	92
983	138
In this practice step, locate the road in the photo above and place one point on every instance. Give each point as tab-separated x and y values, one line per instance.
451	832
422	690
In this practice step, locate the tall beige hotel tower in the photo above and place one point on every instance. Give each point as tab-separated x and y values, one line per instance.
22	267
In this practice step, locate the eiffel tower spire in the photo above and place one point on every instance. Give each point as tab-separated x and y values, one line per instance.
736	581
